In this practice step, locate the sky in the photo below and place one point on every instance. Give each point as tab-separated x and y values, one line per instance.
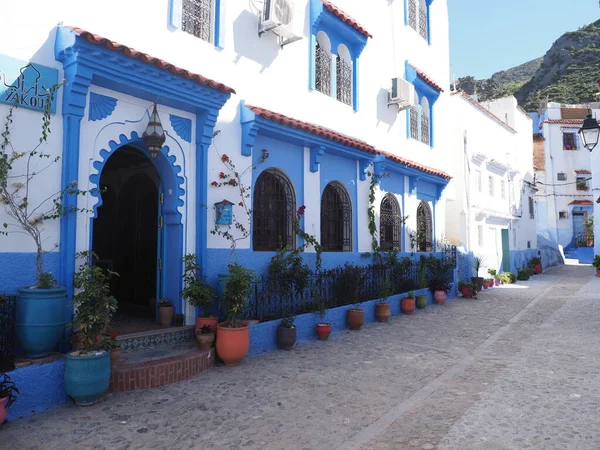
487	36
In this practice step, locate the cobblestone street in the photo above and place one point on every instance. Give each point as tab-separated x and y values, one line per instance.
517	368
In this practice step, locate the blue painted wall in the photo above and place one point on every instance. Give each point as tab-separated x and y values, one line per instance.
18	269
40	387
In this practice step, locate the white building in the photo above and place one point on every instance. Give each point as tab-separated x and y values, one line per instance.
493	182
564	180
318	105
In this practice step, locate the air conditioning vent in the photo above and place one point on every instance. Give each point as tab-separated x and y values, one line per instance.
402	94
283	18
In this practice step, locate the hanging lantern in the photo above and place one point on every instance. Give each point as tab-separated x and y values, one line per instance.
590	132
154	135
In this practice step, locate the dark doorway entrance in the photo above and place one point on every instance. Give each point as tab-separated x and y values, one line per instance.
125	233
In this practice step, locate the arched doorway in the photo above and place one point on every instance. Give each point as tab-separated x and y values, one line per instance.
125	231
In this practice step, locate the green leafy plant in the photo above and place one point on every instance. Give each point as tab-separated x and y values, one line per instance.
179	320
596	262
237	292
94	305
164	303
492	272
477	264
206	329
422	277
507	277
385	290
111	342
17	190
318	300
288	274
197	292
467	285
411	294
347	283
288	322
535	260
8	389
523	274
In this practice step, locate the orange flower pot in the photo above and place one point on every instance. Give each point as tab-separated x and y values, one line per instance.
233	343
355	318
382	312
210	321
408	305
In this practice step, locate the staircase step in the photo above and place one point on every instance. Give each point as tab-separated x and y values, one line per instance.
159	366
156	338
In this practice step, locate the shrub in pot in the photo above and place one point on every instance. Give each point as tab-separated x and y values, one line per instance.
87	370
233	336
323	329
382	309
421	301
113	345
467	290
205	337
286	333
355	317
408	303
179	320
536	265
8	395
596	264
198	293
165	312
508	277
439	288
477	280
523	274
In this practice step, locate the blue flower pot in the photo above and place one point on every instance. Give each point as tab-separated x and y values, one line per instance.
87	377
40	320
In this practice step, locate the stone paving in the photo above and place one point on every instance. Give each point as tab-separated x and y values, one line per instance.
518	368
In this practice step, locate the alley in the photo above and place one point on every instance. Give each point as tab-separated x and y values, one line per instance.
517	368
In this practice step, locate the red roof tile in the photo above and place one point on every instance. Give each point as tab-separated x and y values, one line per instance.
414	165
538	137
478	105
583	171
564	121
581	202
427	79
346	18
311	128
144	57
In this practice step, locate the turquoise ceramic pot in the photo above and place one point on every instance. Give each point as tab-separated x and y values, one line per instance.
40	320
87	377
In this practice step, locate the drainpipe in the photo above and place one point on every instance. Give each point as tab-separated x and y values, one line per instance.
553	187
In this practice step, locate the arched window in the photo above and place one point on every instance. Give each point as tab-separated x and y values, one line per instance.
323	64
412	14
423	19
414	119
390	224
336	219
344	75
424	228
425	121
273	212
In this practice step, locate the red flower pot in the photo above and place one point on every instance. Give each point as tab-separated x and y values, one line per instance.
467	292
408	305
323	331
439	297
492	282
537	269
210	321
3	409
598	272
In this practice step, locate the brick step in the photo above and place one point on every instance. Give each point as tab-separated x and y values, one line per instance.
156	338
159	366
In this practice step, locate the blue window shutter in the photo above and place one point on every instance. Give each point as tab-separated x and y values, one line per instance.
175	11
220	23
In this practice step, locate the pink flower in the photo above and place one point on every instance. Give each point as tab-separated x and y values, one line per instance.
224	158
221	175
240	204
214	183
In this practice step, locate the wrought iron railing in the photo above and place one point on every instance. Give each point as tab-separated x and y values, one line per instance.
7	332
197	17
584	240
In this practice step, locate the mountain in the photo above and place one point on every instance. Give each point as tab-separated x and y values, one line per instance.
567	73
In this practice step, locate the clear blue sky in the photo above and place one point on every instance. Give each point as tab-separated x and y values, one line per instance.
487	36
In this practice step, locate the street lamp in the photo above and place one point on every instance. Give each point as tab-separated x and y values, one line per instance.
154	135
590	132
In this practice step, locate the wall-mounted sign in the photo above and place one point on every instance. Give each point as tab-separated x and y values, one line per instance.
26	84
224	211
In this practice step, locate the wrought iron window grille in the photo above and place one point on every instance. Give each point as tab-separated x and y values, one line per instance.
414	122
197	18
390	224
322	70
424	228
425	128
336	219
423	22
344	81
412	14
273	212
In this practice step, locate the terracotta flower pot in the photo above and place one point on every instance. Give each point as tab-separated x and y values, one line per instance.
537	269
356	318
210	321
408	305
286	337
439	297
115	354
598	272
233	343
323	331
3	409
467	292
165	315
382	312
205	340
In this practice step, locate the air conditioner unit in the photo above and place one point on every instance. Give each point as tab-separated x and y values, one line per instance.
283	18
402	94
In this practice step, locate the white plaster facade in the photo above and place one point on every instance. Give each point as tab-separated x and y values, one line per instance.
493	176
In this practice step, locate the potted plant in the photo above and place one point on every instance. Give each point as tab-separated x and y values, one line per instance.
113	345
87	370
421	301
233	336
205	337
596	264
8	395
536	264
286	333
523	274
355	317
407	304
382	309
179	320
467	289
508	277
439	288
494	274
323	328
165	312
477	280
198	293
